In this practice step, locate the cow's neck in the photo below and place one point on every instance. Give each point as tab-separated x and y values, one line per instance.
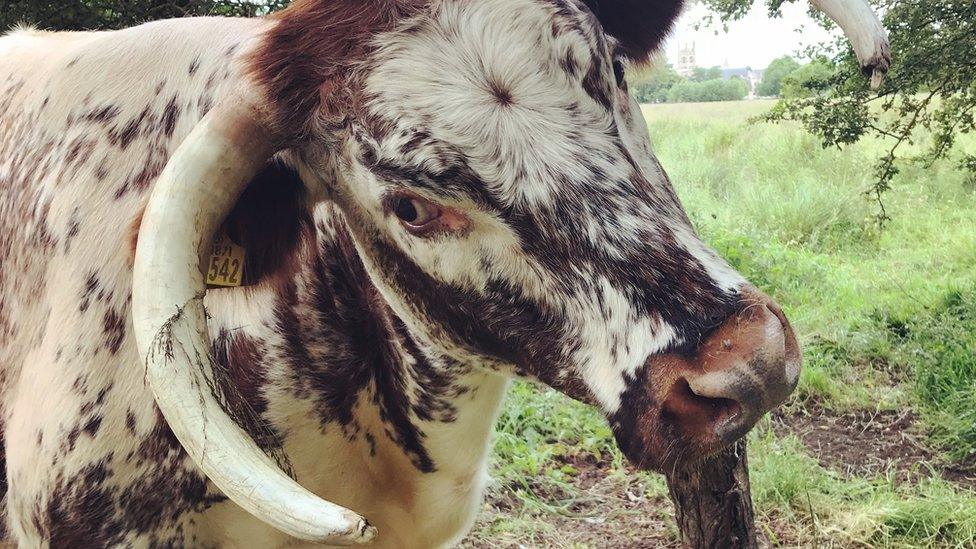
323	360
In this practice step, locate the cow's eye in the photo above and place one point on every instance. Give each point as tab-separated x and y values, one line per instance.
618	72
414	212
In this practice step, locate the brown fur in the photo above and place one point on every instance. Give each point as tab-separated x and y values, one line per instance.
306	59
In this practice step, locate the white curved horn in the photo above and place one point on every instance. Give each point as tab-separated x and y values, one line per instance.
198	188
863	28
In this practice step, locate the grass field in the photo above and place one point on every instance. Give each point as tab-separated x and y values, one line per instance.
877	448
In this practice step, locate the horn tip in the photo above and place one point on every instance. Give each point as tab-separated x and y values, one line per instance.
367	532
358	530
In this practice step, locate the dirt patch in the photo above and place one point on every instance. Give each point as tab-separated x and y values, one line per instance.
871	443
604	507
603	510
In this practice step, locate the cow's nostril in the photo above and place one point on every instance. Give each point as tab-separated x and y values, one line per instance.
695	415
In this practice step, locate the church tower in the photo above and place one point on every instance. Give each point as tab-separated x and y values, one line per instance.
686	60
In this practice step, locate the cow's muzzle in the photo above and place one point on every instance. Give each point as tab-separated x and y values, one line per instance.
745	368
688	405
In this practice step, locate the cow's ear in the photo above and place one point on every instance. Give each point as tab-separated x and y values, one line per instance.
639	25
269	221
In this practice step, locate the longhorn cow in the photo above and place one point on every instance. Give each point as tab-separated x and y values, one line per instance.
432	197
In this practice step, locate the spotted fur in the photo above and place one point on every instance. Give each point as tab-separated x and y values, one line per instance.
374	359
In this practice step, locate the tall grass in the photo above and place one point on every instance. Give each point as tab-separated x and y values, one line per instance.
941	346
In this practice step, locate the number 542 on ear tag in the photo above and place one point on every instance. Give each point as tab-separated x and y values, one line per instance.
226	263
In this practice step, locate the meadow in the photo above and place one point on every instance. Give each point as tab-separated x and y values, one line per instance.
877	447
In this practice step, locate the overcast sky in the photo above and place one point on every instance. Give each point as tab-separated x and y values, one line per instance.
753	41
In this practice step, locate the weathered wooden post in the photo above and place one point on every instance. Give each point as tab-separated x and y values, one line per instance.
712	502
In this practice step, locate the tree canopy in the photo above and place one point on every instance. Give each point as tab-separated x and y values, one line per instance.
652	85
662	84
701	74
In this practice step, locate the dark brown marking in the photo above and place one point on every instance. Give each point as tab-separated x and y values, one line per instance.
113	326
91	426
170	114
102	116
88	291
594	85
501	94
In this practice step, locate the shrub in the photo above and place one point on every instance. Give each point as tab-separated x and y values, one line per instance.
942	346
709	90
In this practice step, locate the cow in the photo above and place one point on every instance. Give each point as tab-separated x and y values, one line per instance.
419	199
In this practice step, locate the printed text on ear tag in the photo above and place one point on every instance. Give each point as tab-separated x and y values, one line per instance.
226	263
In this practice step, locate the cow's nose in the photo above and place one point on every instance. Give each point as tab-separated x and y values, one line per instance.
746	367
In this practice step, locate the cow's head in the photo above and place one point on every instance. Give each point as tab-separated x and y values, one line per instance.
500	187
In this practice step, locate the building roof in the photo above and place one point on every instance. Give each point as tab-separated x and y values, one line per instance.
742	72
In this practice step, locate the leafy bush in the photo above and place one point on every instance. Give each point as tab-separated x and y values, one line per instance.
664	85
941	344
709	90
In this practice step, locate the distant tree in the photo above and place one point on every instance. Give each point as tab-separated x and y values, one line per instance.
700	74
773	76
654	86
816	77
114	14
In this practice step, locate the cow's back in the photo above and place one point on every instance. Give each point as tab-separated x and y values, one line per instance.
87	122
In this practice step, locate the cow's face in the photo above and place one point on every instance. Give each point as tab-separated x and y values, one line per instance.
503	194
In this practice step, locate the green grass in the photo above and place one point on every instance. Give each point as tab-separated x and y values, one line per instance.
887	319
942	347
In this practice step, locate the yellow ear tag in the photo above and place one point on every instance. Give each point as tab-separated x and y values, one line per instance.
226	263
